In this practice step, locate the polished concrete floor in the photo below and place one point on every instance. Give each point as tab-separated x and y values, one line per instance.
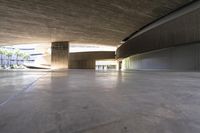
85	101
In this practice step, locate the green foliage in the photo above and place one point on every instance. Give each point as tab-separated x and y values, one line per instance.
10	53
17	52
2	51
26	56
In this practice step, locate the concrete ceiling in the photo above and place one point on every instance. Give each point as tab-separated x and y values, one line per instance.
79	21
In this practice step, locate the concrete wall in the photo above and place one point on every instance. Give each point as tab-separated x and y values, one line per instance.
82	64
171	43
86	60
175	58
179	28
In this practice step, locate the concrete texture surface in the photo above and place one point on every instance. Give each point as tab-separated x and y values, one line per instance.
87	60
184	58
85	101
59	55
177	29
86	21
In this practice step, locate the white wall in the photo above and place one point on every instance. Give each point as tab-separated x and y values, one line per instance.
175	58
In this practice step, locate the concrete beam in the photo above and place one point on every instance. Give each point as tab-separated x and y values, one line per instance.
86	60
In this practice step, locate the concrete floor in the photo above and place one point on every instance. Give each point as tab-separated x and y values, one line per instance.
84	101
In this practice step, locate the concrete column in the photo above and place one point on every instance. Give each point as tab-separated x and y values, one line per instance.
59	55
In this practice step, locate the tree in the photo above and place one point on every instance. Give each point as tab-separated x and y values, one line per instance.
9	54
25	56
6	54
18	54
1	53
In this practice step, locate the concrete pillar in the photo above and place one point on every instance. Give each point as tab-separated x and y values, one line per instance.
59	55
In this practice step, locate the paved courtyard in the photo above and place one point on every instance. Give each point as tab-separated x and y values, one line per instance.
87	101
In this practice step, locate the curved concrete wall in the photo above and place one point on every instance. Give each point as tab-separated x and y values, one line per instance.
175	58
183	27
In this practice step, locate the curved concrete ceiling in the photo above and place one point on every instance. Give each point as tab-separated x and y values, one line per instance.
79	21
